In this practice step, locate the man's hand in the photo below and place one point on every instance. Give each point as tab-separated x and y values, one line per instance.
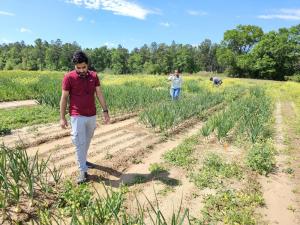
106	118
63	123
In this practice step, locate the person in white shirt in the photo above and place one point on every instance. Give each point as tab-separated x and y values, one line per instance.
176	83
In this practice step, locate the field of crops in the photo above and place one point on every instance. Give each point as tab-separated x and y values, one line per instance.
218	155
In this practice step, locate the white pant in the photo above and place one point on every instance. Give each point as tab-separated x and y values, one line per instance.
83	128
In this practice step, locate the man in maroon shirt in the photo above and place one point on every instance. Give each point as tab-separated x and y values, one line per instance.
80	87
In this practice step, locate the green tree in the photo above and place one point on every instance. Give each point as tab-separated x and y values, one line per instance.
65	57
29	59
119	59
135	61
40	52
276	55
53	53
238	42
100	58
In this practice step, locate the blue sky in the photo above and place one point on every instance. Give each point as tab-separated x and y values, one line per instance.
132	23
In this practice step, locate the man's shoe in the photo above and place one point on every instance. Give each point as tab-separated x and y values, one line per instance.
90	165
82	178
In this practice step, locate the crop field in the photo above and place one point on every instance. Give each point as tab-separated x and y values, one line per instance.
218	155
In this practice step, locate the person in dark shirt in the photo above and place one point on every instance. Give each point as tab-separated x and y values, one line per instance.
216	81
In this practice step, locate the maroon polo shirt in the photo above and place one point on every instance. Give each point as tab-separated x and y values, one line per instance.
82	92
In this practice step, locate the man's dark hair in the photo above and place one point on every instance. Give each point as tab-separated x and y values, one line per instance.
80	57
211	78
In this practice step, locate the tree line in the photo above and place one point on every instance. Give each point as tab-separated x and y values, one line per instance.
245	51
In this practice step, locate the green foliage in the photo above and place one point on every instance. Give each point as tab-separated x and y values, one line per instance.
295	77
214	171
166	115
250	115
24	180
256	108
48	95
132	97
231	207
247	52
119	58
156	169
4	131
151	59
241	39
21	85
182	154
74	197
261	157
192	86
20	117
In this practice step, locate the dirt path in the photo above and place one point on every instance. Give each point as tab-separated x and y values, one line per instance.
278	187
15	104
169	189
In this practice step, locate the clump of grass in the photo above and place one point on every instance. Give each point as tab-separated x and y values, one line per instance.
214	171
182	154
25	181
73	197
233	206
167	115
261	157
4	131
156	169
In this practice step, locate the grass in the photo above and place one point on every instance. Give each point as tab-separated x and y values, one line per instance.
182	154
261	157
231	207
167	115
246	117
73	197
26	184
20	117
156	169
215	171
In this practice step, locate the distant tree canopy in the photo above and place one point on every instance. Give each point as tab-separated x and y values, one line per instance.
244	52
247	52
152	59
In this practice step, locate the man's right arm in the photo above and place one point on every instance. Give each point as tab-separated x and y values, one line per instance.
63	106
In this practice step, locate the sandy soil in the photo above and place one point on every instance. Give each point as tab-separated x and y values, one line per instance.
15	104
278	187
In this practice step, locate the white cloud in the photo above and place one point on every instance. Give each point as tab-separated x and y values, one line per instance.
80	18
6	13
25	30
196	13
165	24
118	7
284	14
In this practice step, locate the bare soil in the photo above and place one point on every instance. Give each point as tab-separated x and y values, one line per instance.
15	104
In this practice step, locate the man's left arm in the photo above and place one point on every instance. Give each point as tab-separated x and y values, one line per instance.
102	102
